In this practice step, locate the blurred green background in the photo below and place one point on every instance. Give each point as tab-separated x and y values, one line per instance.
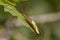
49	31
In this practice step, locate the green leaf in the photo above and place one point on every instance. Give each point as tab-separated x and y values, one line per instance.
12	10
